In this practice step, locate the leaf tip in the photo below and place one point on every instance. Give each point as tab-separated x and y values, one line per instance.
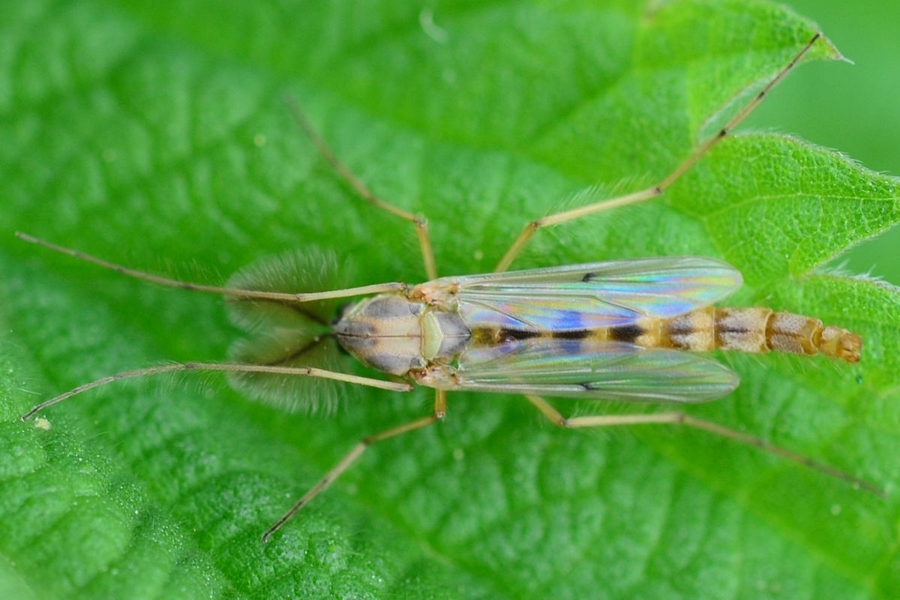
827	50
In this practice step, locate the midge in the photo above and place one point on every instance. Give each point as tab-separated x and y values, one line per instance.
624	330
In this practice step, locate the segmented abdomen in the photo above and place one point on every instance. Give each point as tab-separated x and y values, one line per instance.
754	330
757	330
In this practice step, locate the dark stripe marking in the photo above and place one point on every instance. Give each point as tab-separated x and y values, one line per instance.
626	333
571	334
509	335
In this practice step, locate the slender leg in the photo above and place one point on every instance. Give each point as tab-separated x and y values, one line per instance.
679	418
227	367
364	192
210	289
440	409
655	190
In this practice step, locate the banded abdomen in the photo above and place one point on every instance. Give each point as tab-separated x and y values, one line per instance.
753	330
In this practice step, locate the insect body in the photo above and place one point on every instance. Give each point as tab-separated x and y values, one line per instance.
612	330
624	330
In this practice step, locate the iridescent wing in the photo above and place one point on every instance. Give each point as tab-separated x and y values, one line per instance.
592	370
595	295
534	307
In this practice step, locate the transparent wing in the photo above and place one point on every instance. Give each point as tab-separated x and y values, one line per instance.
595	371
589	296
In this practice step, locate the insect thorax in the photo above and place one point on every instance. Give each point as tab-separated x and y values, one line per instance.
396	335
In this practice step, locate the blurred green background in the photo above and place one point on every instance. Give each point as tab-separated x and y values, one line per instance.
852	108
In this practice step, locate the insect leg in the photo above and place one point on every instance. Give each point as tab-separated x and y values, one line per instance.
656	190
680	418
210	289
440	407
363	190
227	367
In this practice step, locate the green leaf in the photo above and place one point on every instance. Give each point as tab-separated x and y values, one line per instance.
154	135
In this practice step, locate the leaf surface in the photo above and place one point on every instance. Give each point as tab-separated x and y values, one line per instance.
153	135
